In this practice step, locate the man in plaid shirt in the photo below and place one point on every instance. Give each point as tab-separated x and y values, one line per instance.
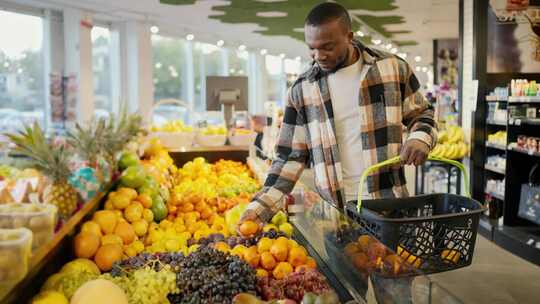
346	113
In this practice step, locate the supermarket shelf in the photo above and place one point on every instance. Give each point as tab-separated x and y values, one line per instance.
524	121
494	99
524	151
524	99
494	169
496	195
496	122
51	255
495	146
521	241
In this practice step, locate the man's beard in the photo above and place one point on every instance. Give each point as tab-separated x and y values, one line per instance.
341	63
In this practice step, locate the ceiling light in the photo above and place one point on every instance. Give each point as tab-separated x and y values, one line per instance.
263	52
282	55
424	69
220	43
272	14
19	70
417	58
154	29
190	37
360	33
402	55
242	48
158	65
388	46
417	69
393	51
376	41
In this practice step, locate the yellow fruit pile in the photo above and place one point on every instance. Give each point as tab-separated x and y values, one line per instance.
276	257
214	130
172	126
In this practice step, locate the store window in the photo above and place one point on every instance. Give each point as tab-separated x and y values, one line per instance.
22	97
101	66
170	63
207	61
238	62
275	79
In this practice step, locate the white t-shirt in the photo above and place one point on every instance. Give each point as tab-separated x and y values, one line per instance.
344	86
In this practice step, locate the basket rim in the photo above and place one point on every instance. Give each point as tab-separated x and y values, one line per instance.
481	208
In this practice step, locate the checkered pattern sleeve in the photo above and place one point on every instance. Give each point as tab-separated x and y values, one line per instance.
418	114
292	156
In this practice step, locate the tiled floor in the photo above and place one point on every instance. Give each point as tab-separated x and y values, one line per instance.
495	276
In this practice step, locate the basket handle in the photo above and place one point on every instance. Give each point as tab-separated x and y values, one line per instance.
396	160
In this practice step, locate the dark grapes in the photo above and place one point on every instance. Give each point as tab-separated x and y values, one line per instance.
211	276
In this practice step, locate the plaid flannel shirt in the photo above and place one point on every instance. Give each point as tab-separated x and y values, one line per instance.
389	101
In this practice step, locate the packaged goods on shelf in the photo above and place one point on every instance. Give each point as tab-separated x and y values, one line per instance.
495	186
496	161
15	250
498	138
39	218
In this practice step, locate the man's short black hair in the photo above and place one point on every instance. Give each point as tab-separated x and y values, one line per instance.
328	12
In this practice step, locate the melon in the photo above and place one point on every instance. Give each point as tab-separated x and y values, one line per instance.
99	291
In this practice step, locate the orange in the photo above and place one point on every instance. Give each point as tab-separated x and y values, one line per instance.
279	251
131	194
248	228
133	212
108	205
145	200
351	249
282	240
222	246
291	244
106	220
120	201
188	207
107	255
119	215
251	256
261	272
363	242
297	257
310	262
140	227
264	244
86	244
92	227
239	251
282	270
111	239
148	215
126	232
267	261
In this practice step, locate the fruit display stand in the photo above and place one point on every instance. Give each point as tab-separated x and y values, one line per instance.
212	154
46	259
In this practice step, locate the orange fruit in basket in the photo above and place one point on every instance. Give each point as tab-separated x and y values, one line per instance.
145	200
264	244
360	260
107	255
310	262
280	251
126	232
252	257
267	261
363	242
106	219
283	240
249	228
297	257
92	227
282	270
86	244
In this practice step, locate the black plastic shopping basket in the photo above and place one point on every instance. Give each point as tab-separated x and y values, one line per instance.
432	232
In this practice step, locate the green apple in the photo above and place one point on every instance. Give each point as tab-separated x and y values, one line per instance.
279	218
286	228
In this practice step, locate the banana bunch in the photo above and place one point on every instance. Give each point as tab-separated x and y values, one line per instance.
499	138
451	144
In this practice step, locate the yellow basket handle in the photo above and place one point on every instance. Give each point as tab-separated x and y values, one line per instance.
396	160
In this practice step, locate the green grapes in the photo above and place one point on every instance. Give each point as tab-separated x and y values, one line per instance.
147	286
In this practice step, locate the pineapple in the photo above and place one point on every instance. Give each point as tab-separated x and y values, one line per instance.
52	162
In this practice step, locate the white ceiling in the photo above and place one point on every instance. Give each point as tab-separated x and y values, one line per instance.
427	19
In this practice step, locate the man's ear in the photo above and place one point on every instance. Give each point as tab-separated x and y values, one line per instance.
350	36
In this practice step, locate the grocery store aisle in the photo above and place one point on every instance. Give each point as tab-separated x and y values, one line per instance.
495	276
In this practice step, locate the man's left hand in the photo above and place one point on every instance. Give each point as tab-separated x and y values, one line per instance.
414	152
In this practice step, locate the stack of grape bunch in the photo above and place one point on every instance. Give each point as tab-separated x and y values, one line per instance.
294	286
157	261
211	276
